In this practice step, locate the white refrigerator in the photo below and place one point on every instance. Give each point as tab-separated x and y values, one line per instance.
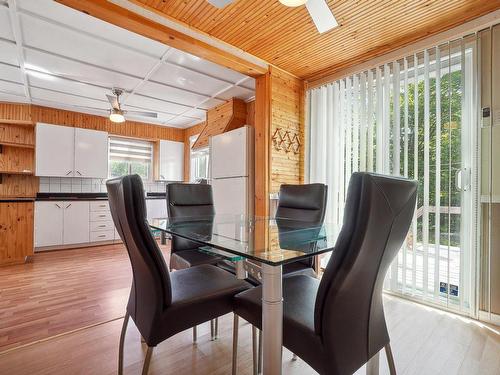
232	171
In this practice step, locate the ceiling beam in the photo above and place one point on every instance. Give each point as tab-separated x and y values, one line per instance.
131	21
16	31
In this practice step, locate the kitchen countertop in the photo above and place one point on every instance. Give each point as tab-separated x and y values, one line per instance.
85	196
16	200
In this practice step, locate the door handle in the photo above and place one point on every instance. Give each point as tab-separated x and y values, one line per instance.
68	173
79	173
462	179
68	206
57	205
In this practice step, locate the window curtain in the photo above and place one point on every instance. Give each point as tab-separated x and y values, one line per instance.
412	117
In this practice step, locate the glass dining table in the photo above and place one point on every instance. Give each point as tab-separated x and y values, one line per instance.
258	246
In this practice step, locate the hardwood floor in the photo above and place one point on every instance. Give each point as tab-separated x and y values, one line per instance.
61	291
76	288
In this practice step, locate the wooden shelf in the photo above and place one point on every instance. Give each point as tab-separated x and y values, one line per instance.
13	144
17	122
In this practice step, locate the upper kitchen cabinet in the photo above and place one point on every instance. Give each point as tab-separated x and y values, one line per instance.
71	152
171	161
91	153
55	150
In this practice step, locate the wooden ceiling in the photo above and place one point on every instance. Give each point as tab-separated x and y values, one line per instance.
287	38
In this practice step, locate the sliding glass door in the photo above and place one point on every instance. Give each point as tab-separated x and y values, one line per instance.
414	117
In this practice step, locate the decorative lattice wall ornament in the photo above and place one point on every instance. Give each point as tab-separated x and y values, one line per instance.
286	140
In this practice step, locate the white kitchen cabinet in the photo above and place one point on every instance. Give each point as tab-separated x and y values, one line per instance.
156	208
63	151
55	150
91	153
171	161
76	222
49	223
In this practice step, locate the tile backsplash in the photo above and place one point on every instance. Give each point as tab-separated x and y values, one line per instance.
87	185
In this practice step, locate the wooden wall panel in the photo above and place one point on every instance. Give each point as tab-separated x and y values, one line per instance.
18	186
225	117
127	129
17	160
17	134
287	112
15	111
16	231
193	130
251	113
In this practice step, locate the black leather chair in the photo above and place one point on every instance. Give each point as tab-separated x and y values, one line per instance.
162	304
185	200
337	324
306	203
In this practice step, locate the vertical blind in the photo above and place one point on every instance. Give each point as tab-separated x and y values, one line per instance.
411	117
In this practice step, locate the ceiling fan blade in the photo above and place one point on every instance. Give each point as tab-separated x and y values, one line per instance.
220	3
113	100
142	114
321	15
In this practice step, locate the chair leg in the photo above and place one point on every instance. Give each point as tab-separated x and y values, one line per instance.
195	335
147	360
259	367
390	359
212	330
142	340
216	328
235	343
255	351
122	343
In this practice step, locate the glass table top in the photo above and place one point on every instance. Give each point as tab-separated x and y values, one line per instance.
273	241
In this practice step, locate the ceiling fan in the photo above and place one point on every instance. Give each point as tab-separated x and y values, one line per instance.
319	11
116	114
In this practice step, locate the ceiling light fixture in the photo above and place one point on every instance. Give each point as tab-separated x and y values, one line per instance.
116	115
293	3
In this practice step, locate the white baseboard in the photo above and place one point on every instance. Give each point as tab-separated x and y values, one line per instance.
491	318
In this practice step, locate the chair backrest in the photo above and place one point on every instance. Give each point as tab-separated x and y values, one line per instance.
306	203
151	289
303	202
188	200
349	314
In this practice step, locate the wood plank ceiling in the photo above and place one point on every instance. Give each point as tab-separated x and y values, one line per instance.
287	38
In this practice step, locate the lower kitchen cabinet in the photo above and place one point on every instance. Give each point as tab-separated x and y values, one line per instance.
16	232
75	223
49	223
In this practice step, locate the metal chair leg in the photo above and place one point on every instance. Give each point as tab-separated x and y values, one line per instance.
255	351
212	330
259	368
195	335
390	359
122	343
216	328
147	360
235	343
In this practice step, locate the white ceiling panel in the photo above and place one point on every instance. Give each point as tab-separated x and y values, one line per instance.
42	94
5	25
188	79
102	30
10	73
155	105
8	87
203	66
8	52
182	122
236	92
86	73
171	94
210	103
52	38
12	98
47	81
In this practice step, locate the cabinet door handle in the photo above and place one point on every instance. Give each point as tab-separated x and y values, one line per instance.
79	173
68	173
68	206
102	235
102	215
102	226
57	205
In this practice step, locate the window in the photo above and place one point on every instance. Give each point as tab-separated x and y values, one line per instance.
130	156
199	165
